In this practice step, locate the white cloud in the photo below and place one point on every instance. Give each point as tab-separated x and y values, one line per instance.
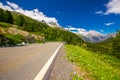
109	24
70	28
35	13
113	7
99	12
14	6
5	7
83	31
75	30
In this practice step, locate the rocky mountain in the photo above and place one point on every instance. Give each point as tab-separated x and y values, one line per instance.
93	36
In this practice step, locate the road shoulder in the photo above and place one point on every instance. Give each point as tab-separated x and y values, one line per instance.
62	69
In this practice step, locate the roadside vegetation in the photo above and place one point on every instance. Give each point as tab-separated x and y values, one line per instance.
96	66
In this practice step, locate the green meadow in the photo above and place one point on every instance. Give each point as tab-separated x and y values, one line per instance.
96	66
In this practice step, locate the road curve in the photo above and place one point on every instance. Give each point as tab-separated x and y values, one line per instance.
25	62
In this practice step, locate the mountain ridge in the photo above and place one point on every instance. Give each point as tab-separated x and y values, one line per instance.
93	36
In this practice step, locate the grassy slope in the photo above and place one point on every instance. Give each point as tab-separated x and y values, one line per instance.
9	38
100	67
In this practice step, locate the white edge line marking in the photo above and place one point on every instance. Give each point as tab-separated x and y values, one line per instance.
43	71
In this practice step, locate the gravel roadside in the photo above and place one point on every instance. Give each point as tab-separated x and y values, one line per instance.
62	69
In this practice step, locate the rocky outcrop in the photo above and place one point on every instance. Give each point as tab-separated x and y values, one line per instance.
2	30
37	37
14	30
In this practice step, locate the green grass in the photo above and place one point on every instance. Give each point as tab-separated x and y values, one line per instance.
16	38
5	25
75	77
98	66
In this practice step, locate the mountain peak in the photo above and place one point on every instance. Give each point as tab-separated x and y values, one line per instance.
93	36
94	33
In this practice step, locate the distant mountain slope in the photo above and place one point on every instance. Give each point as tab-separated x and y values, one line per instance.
93	36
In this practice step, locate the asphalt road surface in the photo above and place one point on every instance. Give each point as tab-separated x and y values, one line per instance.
25	62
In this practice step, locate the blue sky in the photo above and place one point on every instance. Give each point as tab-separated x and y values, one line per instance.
99	15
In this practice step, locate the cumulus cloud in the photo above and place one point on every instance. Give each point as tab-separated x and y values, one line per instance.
76	30
5	7
113	7
83	31
13	5
35	13
109	24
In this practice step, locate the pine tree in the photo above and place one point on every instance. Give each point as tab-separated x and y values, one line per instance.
1	15
8	17
20	20
116	45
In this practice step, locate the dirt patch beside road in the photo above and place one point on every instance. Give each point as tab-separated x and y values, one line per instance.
62	68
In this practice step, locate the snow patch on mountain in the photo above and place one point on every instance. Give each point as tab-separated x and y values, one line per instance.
91	35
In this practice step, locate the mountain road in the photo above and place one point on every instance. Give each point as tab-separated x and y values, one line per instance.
25	62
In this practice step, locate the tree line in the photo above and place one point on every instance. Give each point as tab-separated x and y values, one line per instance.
57	34
116	45
6	16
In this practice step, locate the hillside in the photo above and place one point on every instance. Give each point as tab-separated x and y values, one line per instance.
91	65
32	26
108	47
11	35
